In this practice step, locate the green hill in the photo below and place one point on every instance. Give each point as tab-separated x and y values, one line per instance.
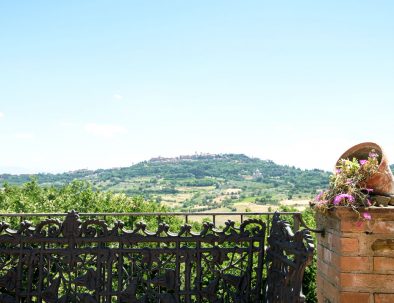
197	182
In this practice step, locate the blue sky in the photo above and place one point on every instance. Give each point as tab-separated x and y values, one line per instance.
99	84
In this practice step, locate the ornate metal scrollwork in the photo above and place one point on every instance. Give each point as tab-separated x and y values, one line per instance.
89	261
287	256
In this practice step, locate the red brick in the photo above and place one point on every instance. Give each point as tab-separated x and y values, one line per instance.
334	242
353	281
383	264
365	242
329	272
355	264
349	245
354	297
330	241
319	251
383	227
329	223
319	280
320	297
384	298
319	287
353	226
330	292
329	256
356	261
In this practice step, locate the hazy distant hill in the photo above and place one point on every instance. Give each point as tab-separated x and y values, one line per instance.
198	181
226	166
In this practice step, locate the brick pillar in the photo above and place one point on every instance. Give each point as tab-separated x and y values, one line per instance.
355	262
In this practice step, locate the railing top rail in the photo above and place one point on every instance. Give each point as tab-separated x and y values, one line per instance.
148	214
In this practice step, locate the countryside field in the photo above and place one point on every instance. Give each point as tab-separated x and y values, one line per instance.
200	183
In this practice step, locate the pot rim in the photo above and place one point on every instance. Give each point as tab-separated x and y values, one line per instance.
356	147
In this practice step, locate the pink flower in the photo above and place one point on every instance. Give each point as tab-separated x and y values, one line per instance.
367	216
318	197
369	202
341	197
369	190
362	162
338	171
373	155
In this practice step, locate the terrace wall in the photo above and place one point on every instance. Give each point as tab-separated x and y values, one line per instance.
356	258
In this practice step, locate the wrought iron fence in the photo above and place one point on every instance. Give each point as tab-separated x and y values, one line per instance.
97	258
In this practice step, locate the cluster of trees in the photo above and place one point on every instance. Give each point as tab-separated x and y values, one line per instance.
200	182
81	196
266	198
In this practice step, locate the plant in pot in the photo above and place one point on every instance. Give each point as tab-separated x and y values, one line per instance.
360	172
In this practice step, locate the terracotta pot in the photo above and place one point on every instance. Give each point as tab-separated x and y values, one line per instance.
383	181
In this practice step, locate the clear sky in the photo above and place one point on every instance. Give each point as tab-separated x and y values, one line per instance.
99	84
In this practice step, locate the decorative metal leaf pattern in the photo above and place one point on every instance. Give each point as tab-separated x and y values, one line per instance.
88	261
287	256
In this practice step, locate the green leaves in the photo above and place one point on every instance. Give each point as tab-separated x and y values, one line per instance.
80	195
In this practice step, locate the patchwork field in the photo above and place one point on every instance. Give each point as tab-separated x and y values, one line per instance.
203	183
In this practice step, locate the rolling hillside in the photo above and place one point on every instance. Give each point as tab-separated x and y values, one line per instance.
197	182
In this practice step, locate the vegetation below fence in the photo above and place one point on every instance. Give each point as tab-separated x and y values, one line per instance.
81	196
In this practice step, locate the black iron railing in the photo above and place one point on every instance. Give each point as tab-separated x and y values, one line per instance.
184	215
94	257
